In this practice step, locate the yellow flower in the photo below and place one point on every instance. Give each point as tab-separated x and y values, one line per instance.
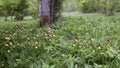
29	43
37	35
92	39
50	39
6	31
99	48
11	43
53	35
50	35
36	42
34	38
74	45
85	41
7	38
8	51
18	44
45	34
3	34
93	50
36	47
76	40
28	38
14	34
3	65
6	45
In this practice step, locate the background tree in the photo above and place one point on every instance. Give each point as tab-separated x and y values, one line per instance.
16	8
20	9
7	8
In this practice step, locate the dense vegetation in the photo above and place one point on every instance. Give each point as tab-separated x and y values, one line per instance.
85	34
85	41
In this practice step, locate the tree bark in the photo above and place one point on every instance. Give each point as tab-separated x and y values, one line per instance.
44	13
49	11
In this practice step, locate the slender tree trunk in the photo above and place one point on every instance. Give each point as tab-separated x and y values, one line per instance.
95	6
5	18
104	7
45	13
111	11
113	6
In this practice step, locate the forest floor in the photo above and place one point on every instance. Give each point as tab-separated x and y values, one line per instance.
75	41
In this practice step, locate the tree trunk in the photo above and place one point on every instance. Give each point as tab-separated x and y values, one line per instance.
45	13
113	6
104	7
5	18
111	11
49	11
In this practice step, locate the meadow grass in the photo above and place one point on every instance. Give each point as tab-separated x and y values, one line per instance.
75	41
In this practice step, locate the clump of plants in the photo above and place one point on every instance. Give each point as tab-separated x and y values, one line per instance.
73	43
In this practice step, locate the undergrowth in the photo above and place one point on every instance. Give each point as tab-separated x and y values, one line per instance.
88	41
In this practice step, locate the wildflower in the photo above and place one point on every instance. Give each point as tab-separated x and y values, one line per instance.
46	38
45	34
8	51
36	42
3	65
28	38
14	34
6	45
76	40
11	43
37	35
109	42
36	47
17	26
99	48
34	38
3	34
50	35
53	35
92	39
18	44
74	45
24	25
7	38
85	41
50	39
93	51
29	43
6	31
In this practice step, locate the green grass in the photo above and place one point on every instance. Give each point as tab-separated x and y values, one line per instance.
83	41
